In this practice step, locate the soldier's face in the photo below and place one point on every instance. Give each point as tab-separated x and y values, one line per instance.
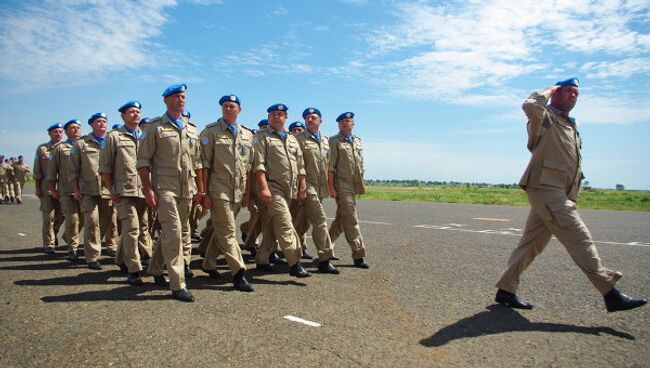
346	125
56	135
566	98
99	127
297	130
176	102
73	131
313	122
131	116
230	110
277	119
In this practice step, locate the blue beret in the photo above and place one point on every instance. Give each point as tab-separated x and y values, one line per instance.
296	125
263	122
569	82
20	156
132	103
115	126
186	114
345	115
232	98
72	121
97	116
55	126
144	121
277	107
176	88
311	110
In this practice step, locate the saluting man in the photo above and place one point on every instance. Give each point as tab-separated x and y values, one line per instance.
345	181
280	176
227	158
552	182
58	177
117	164
168	156
50	207
315	151
91	193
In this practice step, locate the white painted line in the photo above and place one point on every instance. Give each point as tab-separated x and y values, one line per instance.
376	222
491	219
512	229
512	233
300	320
21	234
457	225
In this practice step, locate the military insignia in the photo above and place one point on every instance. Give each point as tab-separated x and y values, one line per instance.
281	107
348	115
255	140
191	140
144	134
311	111
205	140
233	98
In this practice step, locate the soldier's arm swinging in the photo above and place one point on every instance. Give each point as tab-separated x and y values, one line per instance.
149	194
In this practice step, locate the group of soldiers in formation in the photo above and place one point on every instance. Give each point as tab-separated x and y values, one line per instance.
155	178
13	174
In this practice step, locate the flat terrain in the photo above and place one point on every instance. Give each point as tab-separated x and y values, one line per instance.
426	301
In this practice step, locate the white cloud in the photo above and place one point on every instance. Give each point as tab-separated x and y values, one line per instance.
612	110
55	43
468	52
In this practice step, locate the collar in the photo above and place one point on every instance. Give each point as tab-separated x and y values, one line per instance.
178	122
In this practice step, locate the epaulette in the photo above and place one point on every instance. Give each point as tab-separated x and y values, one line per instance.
247	128
212	124
190	123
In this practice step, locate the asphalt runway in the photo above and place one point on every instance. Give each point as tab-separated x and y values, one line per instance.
426	301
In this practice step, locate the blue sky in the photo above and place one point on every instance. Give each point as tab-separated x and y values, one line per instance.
436	86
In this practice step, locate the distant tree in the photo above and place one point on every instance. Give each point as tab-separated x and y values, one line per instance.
620	187
586	184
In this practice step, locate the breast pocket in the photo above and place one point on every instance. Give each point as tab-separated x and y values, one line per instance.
554	174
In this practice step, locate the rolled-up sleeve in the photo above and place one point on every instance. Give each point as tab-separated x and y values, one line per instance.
107	156
147	147
259	149
334	154
207	148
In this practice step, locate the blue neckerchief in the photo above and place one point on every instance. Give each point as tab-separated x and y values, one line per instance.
100	140
136	133
316	136
232	128
282	134
178	122
69	141
348	138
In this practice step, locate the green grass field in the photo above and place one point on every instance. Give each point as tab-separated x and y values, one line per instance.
604	199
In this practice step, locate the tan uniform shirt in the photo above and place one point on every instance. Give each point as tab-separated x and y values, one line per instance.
228	160
119	158
43	153
10	175
555	145
60	165
172	155
21	170
85	167
315	154
346	161
281	160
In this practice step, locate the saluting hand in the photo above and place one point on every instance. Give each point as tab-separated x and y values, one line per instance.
550	91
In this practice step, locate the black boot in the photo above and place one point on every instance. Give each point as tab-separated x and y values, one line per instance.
360	263
134	279
616	301
511	300
327	267
182	295
298	271
240	283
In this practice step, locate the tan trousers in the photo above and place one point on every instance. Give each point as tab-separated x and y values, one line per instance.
224	236
132	214
73	221
347	222
173	214
310	211
253	227
15	186
278	223
99	221
52	220
206	235
300	223
196	214
553	214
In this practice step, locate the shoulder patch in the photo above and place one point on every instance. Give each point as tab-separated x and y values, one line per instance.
205	140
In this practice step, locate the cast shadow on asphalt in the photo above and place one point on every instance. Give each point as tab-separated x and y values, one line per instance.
498	319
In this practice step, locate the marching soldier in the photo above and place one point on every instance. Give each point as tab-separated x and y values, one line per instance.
227	158
50	207
315	151
10	180
58	177
345	181
4	169
280	176
168	156
94	197
118	168
22	171
552	182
